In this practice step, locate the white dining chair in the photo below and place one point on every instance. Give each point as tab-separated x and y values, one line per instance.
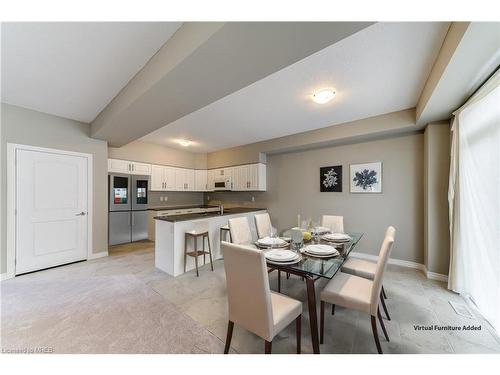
263	225
358	293
366	269
251	303
334	223
239	229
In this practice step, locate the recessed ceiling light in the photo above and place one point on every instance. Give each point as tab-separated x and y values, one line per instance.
185	142
323	96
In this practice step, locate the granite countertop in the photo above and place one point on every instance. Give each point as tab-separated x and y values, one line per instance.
196	216
165	208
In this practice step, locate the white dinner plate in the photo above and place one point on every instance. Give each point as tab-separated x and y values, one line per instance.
280	256
320	250
336	237
323	256
270	241
299	258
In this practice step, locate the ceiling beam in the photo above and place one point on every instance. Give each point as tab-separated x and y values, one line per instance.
204	62
468	56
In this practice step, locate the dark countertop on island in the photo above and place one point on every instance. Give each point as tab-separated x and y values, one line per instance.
196	216
166	208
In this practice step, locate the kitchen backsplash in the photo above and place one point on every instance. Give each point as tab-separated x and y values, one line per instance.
174	198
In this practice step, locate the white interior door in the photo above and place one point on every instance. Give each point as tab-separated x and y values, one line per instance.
52	206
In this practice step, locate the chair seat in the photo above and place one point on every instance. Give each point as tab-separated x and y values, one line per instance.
360	267
195	232
225	227
348	291
285	311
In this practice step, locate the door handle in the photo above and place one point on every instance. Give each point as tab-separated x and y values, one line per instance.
81	214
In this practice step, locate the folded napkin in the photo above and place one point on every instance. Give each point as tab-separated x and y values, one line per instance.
337	236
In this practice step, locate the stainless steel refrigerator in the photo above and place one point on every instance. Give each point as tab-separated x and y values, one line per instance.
128	204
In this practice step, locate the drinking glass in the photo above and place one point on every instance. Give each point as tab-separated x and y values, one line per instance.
297	239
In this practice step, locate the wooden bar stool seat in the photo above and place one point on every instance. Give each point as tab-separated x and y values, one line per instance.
195	252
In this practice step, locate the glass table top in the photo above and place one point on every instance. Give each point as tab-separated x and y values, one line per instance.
322	267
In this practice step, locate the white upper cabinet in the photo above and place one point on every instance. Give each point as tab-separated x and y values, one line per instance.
250	177
128	167
162	178
184	179
201	180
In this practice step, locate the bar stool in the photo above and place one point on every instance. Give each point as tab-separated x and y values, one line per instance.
196	253
224	233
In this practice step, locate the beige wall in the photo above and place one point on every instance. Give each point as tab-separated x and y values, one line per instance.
293	187
156	154
436	173
33	128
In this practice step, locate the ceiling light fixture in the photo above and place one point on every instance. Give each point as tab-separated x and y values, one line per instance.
323	96
185	142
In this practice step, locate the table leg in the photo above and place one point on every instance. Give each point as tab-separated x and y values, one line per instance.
313	315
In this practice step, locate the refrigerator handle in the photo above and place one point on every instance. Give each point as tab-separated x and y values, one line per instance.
132	218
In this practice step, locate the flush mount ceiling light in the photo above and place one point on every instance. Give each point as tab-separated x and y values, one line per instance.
323	96
184	142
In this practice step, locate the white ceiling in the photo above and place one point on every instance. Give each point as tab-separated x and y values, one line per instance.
380	69
74	70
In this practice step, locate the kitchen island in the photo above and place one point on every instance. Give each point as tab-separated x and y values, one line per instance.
170	230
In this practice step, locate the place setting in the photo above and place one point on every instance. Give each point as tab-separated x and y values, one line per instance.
337	238
282	257
321	251
272	243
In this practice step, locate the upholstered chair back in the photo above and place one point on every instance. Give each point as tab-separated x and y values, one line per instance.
383	258
263	225
248	293
335	223
240	230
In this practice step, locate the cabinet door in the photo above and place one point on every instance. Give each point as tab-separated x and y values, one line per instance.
253	177
140	168
200	180
180	179
157	178
189	173
119	166
262	178
169	178
210	179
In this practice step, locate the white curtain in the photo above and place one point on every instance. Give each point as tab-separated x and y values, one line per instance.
474	201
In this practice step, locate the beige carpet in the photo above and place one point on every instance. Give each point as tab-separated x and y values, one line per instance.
103	314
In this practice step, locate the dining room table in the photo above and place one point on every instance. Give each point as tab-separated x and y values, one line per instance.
312	268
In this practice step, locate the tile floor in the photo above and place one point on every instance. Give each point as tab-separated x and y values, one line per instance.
191	312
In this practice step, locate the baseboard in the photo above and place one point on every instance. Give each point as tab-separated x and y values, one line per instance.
98	255
435	276
403	263
6	276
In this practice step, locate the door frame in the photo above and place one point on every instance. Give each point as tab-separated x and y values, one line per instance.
11	199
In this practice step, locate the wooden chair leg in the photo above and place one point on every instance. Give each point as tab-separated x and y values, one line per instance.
203	248
196	255
321	321
333	309
279	281
298	332
382	301
375	334
268	346
210	253
383	292
382	324
229	336
185	252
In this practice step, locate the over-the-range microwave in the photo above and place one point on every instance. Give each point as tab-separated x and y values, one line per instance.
223	183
